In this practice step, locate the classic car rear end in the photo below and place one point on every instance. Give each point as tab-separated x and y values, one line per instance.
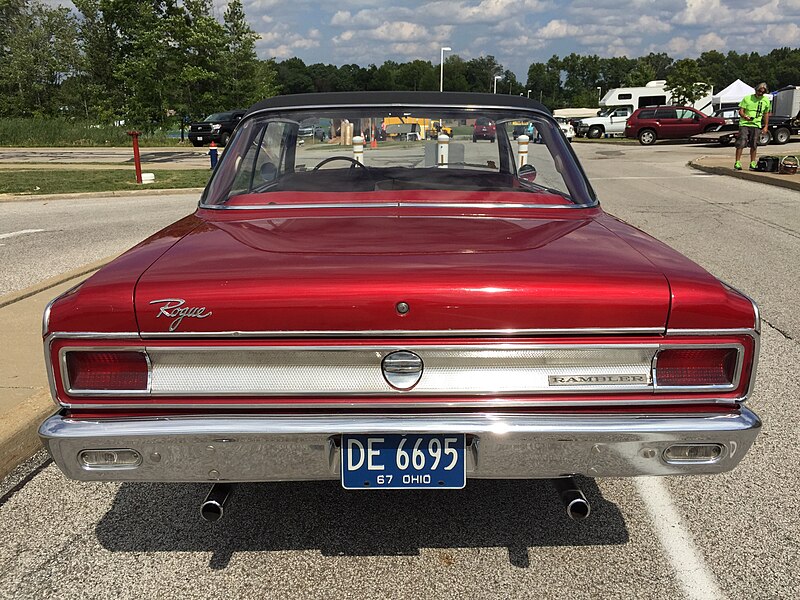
399	319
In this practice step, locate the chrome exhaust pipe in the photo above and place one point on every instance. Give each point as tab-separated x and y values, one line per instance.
575	502
213	507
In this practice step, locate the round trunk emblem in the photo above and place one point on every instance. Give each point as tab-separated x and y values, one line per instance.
402	369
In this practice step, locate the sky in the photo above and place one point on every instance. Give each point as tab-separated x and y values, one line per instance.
515	32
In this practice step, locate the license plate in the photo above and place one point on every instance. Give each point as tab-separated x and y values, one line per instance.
199	138
404	461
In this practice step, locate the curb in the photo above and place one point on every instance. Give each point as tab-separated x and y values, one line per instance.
115	194
53	281
19	427
749	176
19	437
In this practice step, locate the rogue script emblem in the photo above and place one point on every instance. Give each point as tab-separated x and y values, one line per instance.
174	309
402	369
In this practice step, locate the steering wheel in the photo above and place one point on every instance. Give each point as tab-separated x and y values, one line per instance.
354	162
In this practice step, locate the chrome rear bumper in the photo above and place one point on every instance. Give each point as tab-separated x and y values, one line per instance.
301	447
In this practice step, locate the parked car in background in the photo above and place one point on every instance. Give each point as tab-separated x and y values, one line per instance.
215	128
610	121
391	321
313	129
484	129
566	127
668	123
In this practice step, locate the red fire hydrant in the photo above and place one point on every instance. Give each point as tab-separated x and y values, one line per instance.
136	161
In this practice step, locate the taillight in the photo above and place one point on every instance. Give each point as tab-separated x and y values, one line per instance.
106	370
690	367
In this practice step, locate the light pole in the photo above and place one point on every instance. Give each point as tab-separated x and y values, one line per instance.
441	67
529	93
496	77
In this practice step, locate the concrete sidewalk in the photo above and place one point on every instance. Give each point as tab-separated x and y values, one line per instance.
723	165
24	391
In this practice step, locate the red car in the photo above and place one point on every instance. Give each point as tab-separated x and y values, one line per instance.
668	123
484	129
394	321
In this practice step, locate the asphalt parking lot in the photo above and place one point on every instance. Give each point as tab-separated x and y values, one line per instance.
726	536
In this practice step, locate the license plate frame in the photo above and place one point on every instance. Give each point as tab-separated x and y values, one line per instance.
367	452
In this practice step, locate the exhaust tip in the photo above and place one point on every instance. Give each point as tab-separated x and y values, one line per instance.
578	509
211	511
575	502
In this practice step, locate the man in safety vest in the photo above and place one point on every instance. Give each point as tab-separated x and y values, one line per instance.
753	119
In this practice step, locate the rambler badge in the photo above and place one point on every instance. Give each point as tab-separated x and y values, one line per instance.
597	379
174	309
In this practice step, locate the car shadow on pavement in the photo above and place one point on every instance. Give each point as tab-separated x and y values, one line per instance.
151	517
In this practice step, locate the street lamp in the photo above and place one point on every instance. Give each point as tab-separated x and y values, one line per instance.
441	67
529	93
496	77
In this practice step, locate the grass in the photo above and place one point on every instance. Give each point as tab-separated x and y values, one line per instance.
63	133
64	181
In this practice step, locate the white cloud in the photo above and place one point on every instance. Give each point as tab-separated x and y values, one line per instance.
557	29
709	41
787	34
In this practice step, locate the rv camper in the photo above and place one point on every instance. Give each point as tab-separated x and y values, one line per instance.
652	94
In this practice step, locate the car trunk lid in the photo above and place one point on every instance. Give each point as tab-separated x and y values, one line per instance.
351	274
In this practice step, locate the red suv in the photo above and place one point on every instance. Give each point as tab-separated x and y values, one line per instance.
484	129
668	123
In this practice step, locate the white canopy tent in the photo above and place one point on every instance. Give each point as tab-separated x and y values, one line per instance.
731	95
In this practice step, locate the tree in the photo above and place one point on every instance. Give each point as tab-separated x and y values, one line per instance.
455	74
684	82
713	69
659	63
479	73
293	77
41	51
241	73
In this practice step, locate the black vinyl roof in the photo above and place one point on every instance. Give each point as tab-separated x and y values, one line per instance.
399	98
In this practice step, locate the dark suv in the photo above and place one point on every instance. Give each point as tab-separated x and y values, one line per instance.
484	129
668	123
215	128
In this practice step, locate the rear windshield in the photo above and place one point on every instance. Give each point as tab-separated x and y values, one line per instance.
396	154
225	116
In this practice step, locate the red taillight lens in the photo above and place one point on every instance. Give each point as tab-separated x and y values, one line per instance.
692	367
107	370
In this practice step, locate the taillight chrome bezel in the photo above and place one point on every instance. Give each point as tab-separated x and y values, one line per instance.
737	369
67	384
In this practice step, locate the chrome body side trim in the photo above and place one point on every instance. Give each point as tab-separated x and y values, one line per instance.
303	447
390	333
306	206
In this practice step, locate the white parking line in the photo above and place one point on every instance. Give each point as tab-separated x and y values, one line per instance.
4	236
691	571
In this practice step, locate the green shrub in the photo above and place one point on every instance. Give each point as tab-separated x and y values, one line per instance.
63	133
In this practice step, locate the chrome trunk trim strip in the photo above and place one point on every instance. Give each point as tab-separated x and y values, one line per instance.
390	333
